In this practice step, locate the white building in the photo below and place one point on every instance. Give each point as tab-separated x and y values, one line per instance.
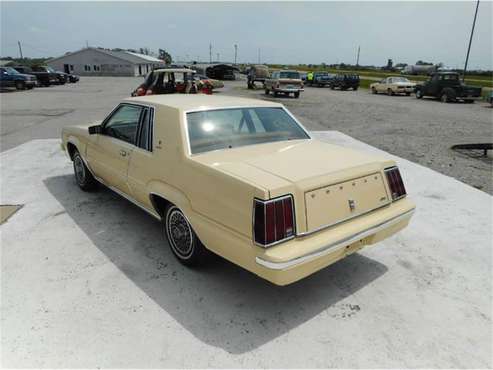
102	62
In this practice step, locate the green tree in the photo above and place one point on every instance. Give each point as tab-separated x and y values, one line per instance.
164	55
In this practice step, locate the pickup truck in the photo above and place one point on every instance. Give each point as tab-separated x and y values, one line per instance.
44	76
321	79
285	82
448	87
9	77
344	82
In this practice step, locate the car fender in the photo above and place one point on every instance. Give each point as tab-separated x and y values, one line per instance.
79	144
171	194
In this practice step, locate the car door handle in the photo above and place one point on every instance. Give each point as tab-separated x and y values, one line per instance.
123	153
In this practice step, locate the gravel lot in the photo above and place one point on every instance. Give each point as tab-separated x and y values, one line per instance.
421	131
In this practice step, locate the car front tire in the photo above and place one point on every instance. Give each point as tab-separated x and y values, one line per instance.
83	176
182	239
419	94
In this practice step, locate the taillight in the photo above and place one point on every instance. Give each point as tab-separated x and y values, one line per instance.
395	182
273	220
149	92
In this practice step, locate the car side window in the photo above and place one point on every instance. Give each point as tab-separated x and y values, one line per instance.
146	130
124	123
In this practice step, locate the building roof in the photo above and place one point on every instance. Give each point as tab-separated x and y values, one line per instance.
177	70
186	102
127	56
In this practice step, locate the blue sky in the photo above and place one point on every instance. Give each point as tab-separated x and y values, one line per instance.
285	32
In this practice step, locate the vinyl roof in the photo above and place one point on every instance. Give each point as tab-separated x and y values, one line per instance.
186	102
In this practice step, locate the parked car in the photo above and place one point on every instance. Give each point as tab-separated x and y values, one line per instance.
241	178
9	77
393	85
257	73
344	82
285	82
321	79
167	81
44	77
448	87
69	77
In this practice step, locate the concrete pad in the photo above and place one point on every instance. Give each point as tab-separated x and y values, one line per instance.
87	281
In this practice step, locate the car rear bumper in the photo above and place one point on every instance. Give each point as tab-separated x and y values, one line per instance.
404	90
284	90
302	256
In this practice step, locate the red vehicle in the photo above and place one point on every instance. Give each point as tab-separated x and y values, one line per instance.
171	81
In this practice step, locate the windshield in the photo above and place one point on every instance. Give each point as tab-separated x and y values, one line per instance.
50	69
322	74
400	79
11	71
230	128
294	74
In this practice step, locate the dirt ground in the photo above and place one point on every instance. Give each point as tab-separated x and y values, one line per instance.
419	130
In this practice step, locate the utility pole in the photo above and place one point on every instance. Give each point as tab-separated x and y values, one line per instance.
357	57
236	52
20	49
470	41
210	53
258	55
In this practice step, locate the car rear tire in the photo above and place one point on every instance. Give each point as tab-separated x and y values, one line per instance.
182	239
297	95
20	85
373	90
83	176
390	92
266	91
419	94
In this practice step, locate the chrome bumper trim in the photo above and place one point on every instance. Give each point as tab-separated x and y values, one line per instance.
342	243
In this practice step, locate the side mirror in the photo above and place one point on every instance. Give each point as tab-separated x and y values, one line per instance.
97	129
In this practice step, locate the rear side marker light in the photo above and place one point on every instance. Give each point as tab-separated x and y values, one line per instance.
396	185
273	221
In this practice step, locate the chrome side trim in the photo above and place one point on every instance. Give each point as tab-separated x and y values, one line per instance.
120	193
132	200
342	243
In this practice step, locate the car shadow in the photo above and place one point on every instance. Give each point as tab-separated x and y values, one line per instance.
220	304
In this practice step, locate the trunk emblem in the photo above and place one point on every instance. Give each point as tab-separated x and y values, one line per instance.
352	204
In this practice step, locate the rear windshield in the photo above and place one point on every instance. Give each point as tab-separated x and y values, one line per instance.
230	128
293	74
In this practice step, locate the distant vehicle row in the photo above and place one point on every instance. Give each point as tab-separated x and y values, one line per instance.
445	86
23	77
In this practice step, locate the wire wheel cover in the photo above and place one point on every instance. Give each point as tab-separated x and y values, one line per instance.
179	233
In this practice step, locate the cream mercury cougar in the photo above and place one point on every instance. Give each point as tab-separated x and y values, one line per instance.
241	178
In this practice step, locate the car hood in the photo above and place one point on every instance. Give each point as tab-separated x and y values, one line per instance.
298	161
